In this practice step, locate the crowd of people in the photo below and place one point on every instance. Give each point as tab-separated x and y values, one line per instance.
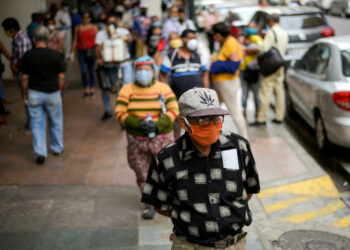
167	73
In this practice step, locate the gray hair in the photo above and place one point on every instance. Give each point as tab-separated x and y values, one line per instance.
41	33
275	17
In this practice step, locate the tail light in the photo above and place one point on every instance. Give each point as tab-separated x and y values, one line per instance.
327	32
342	99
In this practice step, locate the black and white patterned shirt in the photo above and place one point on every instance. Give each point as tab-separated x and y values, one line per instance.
207	199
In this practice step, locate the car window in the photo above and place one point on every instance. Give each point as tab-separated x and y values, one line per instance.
303	21
316	59
308	60
345	59
323	55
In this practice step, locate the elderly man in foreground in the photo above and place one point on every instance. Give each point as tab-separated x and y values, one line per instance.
204	180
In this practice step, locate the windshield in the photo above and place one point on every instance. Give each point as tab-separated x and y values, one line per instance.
345	60
243	16
302	21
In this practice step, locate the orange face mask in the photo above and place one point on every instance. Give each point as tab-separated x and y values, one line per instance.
207	135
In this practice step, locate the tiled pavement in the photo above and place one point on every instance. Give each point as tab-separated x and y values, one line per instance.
87	197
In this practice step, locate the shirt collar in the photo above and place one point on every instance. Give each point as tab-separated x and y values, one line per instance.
187	150
18	34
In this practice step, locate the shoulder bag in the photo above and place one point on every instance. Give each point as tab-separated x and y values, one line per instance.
270	61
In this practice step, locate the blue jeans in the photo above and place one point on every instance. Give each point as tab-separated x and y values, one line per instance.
2	90
87	68
127	72
247	87
128	77
38	104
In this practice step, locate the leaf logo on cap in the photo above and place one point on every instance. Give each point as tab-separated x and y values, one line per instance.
207	99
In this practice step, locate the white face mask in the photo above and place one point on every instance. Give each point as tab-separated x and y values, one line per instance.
51	27
192	44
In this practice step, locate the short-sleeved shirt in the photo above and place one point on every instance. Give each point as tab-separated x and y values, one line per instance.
206	198
102	36
43	66
229	47
185	74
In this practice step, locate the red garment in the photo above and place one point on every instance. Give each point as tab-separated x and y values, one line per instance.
86	39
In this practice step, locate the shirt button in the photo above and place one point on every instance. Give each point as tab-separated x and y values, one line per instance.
212	200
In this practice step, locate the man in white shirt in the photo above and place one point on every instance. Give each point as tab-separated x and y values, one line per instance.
64	24
126	67
273	83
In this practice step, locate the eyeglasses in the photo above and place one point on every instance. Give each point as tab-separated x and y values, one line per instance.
204	121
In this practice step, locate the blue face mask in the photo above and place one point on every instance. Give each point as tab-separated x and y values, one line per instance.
144	77
175	19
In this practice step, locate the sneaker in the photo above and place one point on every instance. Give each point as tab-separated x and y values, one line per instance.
57	153
40	159
257	124
106	116
148	213
85	95
277	121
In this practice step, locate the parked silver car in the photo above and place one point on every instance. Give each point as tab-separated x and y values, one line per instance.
318	89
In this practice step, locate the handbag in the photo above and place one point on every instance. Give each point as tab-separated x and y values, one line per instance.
104	79
90	54
270	61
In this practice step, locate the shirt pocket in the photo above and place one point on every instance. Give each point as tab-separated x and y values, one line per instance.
232	184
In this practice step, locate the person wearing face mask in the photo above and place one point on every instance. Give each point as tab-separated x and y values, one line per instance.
204	180
147	109
153	38
20	45
172	24
113	32
225	74
76	18
142	24
186	69
84	43
55	40
175	42
185	22
210	18
64	24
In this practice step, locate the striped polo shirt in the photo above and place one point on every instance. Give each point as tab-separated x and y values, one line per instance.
185	74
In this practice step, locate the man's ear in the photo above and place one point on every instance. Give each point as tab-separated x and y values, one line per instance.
184	125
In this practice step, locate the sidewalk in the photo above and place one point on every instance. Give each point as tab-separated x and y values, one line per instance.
87	198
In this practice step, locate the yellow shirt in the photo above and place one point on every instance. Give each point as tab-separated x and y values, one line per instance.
250	58
230	46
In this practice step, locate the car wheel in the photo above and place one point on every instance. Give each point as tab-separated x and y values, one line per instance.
321	134
289	103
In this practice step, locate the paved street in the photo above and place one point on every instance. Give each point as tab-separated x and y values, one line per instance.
87	198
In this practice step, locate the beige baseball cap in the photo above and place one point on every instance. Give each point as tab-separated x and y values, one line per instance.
200	102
